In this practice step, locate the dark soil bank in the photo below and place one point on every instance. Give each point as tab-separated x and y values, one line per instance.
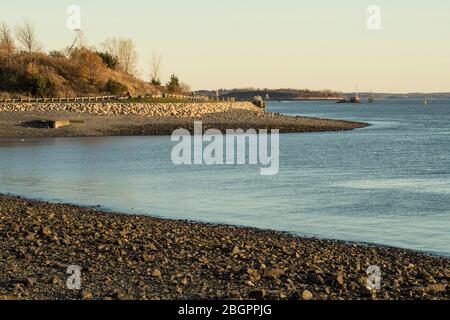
136	257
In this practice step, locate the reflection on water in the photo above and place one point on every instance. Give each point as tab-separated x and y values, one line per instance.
387	184
411	185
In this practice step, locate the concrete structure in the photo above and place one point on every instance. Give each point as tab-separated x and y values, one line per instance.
64	123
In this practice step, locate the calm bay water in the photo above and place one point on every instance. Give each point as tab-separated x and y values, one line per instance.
387	184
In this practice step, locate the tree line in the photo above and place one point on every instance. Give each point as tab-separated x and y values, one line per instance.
26	69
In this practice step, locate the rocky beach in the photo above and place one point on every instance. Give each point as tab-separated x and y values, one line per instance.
128	257
22	120
139	257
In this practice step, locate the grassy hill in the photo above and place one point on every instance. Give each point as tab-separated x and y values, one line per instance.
82	72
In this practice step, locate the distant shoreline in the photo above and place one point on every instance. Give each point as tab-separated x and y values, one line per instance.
310	99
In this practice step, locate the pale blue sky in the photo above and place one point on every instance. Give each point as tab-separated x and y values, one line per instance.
284	43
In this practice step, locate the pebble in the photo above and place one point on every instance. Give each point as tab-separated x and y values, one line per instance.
86	295
235	251
31	281
436	288
307	295
46	231
273	273
156	273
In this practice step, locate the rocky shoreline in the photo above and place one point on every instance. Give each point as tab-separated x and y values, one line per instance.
137	257
191	109
115	119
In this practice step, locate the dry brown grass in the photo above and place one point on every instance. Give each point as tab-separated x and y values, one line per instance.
82	73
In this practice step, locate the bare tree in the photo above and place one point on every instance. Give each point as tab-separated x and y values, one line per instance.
111	46
7	45
26	35
185	88
155	71
125	51
128	55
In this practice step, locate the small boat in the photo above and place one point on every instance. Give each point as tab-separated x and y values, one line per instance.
425	103
351	100
355	99
371	98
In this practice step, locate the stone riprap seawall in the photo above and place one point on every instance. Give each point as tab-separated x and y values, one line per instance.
190	110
